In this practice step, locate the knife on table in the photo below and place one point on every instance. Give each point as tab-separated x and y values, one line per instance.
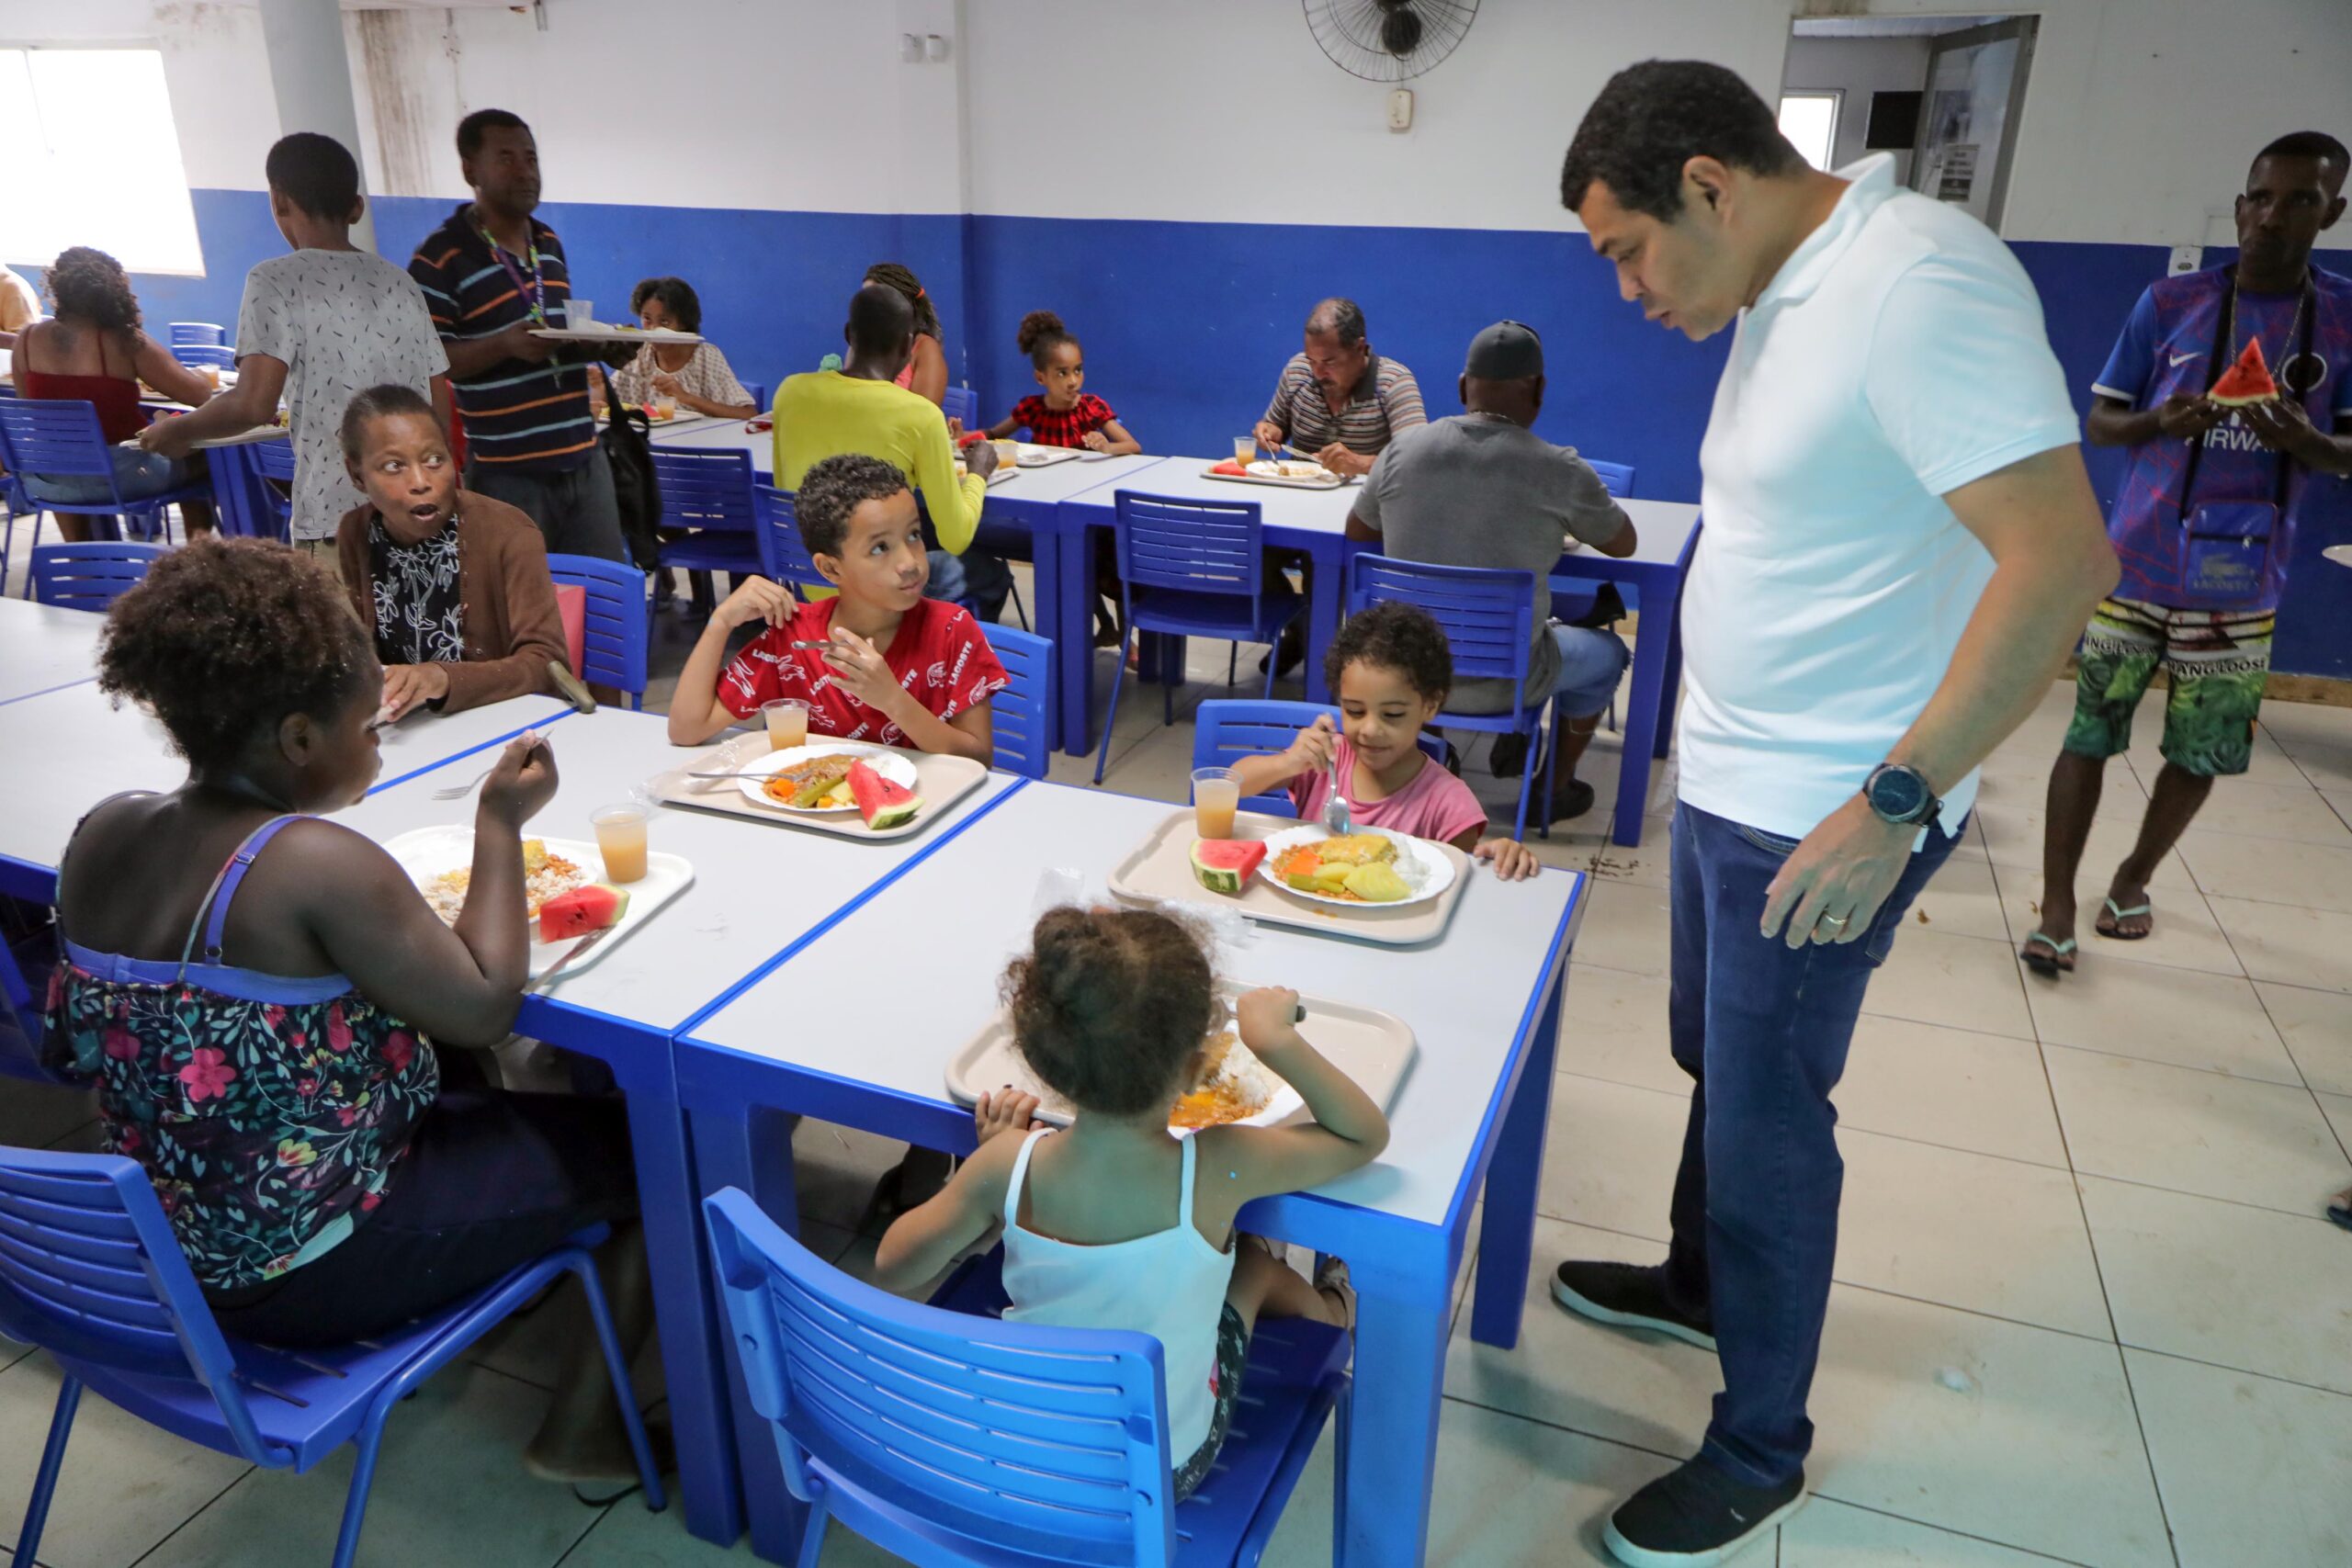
574	951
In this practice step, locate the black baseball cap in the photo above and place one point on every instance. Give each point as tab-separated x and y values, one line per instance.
1508	351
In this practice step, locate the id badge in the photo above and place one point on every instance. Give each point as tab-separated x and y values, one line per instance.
2225	553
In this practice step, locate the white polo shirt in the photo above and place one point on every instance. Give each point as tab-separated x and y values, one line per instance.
1898	356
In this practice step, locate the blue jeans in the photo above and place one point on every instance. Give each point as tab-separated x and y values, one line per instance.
1592	660
1762	1030
137	476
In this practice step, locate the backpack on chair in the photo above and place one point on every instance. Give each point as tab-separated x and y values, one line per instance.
628	449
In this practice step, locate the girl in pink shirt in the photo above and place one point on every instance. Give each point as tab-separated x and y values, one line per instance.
1392	672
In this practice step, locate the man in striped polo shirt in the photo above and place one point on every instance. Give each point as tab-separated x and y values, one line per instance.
1339	400
490	275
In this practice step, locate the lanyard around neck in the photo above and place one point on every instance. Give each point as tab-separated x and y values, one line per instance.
2224	355
534	288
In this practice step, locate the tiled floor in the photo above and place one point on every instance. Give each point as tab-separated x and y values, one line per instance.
2085	1311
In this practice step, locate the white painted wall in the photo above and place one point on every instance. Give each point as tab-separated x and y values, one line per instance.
1857	67
2140	119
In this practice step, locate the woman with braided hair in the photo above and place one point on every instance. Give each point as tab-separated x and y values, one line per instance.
926	371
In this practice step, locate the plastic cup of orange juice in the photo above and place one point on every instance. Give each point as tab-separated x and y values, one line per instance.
788	721
1216	796
620	839
1245	449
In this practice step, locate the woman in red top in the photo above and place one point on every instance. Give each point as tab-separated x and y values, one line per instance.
92	351
881	662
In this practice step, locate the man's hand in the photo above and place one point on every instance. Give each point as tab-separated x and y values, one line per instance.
757	600
1830	887
1317	745
162	437
2284	427
1343	460
406	685
2186	418
860	669
517	342
980	457
1268	433
1008	1112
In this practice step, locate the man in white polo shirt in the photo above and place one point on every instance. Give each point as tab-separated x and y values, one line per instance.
1900	546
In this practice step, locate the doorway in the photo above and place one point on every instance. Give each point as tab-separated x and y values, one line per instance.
1943	96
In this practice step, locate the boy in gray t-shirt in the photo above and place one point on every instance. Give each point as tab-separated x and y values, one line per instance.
319	326
1484	490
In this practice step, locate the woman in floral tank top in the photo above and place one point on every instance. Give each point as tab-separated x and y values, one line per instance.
253	989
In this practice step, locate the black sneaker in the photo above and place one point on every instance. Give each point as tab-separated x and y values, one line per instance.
1508	759
1628	1295
1695	1517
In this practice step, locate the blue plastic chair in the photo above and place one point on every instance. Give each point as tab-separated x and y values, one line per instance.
90	1271
25	965
187	334
617	643
711	495
275	460
1489	616
1192	569
949	1436
196	355
1021	713
759	391
60	438
1573	597
783	557
89	577
1227	730
960	402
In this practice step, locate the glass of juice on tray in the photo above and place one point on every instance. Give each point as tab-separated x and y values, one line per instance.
664	406
787	720
620	839
1216	796
1245	449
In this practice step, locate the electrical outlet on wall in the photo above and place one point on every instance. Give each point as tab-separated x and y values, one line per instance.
2185	258
1400	110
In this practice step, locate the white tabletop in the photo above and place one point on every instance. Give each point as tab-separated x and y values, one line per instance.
1054	482
756	889
720	435
1279	506
69	750
1661	530
41	647
971	906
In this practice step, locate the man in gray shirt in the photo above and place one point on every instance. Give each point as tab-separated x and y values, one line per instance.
1483	489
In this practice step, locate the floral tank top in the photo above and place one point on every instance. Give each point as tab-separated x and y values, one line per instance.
268	1111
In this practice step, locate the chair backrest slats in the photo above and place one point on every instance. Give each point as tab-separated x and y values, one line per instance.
1048	1442
275	459
1488	614
1018	715
59	437
783	557
960	402
91	576
1197	547
1227	730
1617	477
704	489
615	647
183	333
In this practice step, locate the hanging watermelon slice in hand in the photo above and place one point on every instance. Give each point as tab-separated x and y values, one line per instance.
2246	381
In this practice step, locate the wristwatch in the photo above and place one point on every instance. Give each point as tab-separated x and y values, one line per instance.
1899	793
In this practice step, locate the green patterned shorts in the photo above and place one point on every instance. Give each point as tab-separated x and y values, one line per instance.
2214	661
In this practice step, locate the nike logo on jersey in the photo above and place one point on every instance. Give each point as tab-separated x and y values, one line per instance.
2180	359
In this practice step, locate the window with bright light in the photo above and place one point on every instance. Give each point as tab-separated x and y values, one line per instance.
1810	120
92	159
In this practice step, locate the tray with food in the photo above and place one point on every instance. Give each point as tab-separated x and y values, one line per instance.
1276	872
843	787
682	418
564	893
1372	1047
609	332
1291	473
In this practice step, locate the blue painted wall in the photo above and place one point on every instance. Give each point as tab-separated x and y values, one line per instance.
1185	325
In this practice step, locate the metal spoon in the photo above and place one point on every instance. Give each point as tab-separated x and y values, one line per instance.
1335	808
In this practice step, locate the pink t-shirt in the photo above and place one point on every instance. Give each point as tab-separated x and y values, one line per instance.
1432	805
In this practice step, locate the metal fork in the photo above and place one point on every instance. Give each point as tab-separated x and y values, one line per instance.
459	791
1335	808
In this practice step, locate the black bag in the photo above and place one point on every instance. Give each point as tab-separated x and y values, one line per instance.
637	489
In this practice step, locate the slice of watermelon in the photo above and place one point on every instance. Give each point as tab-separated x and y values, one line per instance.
582	910
884	805
1227	468
1223	866
2246	381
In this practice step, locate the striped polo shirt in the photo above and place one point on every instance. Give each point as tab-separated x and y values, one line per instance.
517	414
1386	402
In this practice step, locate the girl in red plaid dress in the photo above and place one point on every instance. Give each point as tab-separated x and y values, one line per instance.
1066	414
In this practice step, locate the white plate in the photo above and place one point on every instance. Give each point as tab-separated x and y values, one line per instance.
1308	473
888	761
425	852
1427	872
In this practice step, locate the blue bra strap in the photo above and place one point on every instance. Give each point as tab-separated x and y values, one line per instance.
224	890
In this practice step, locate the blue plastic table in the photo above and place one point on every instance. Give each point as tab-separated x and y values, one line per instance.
757	889
1470	1117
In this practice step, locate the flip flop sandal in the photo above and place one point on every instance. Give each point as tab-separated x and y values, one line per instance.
2050	963
2341	1210
2121	914
1331	1275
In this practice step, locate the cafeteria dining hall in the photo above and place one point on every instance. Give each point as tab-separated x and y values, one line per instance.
1001	784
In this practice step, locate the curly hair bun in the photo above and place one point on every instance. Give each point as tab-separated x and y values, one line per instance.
1110	1005
225	637
1036	327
